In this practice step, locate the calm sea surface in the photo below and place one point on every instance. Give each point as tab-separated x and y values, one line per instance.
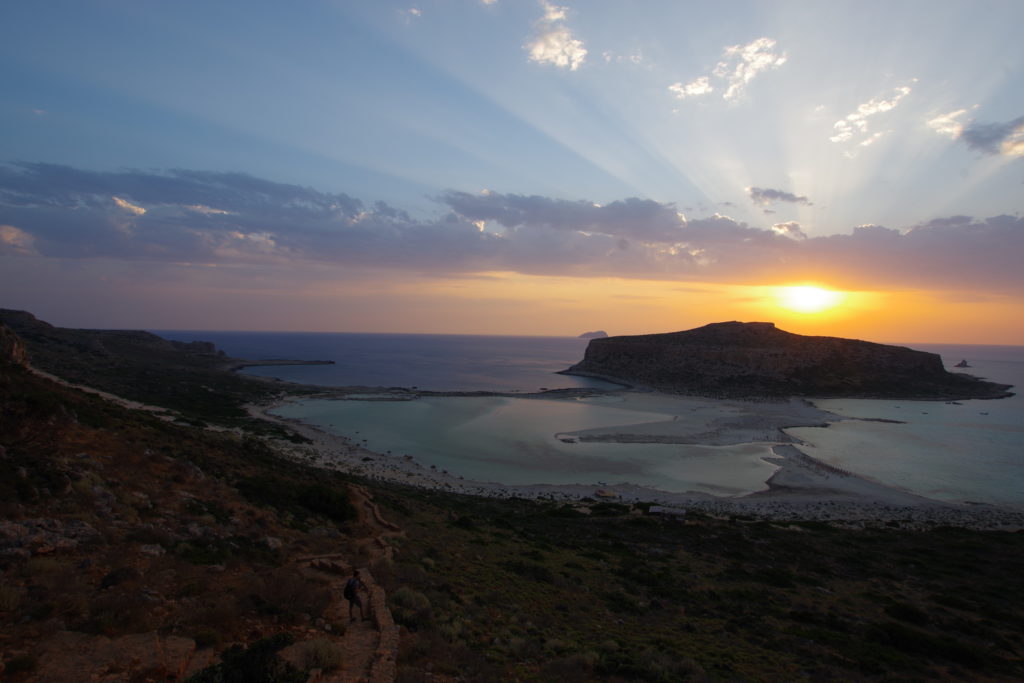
969	450
426	361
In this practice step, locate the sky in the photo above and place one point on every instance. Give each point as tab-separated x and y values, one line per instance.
515	166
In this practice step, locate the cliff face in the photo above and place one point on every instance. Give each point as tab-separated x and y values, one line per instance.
757	359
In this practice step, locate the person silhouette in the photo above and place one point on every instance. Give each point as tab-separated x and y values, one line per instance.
351	593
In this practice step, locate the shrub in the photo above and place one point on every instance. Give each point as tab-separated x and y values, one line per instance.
907	612
466	523
529	570
915	641
410	608
605	509
321	653
10	598
206	637
298	499
258	663
19	664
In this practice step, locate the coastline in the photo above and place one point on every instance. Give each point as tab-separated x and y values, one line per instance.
801	489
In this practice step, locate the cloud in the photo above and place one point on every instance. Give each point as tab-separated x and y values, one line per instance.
948	124
633	218
738	66
989	138
790	229
15	241
553	42
128	207
611	57
695	88
855	127
996	138
238	223
766	197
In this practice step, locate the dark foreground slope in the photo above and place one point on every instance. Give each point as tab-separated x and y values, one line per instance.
757	359
133	549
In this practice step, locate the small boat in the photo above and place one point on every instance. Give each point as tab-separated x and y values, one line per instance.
962	364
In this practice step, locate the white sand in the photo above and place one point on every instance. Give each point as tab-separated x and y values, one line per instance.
802	488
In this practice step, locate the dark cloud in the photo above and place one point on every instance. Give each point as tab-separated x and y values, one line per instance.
763	196
630	218
250	223
35	184
996	138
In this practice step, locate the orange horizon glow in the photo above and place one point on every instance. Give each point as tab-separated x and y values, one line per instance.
504	303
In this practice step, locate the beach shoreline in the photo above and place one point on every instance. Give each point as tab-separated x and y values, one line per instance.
801	489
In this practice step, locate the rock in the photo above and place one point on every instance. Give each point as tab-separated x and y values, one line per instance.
192	471
596	334
756	359
12	349
272	543
154	549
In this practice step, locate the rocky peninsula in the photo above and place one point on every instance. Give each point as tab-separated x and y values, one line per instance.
743	360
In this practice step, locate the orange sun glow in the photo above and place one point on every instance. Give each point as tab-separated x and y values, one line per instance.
807	299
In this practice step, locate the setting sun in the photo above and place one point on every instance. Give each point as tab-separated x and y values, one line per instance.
805	299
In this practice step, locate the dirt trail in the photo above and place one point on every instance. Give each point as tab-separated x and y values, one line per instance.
369	646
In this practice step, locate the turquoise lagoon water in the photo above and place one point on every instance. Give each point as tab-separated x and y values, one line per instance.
515	441
972	451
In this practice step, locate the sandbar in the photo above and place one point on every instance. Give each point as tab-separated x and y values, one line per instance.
802	488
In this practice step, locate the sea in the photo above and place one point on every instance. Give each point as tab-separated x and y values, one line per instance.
957	451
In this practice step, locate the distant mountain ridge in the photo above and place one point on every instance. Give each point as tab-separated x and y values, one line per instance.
757	359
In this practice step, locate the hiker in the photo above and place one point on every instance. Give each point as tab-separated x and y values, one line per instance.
351	593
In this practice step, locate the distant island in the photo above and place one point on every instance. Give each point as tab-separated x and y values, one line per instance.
756	359
596	334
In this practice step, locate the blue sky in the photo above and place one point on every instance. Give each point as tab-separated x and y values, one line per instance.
735	123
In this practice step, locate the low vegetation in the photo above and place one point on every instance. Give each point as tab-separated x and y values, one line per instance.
532	593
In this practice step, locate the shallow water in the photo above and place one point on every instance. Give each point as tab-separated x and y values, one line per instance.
962	451
513	441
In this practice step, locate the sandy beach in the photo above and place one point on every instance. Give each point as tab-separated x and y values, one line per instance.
802	488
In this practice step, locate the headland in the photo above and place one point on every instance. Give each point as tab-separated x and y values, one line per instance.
741	360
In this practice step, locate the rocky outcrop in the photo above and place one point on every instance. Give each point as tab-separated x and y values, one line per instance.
596	334
12	349
757	359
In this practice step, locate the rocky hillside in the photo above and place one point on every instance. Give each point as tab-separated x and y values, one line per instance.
136	550
758	359
190	379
